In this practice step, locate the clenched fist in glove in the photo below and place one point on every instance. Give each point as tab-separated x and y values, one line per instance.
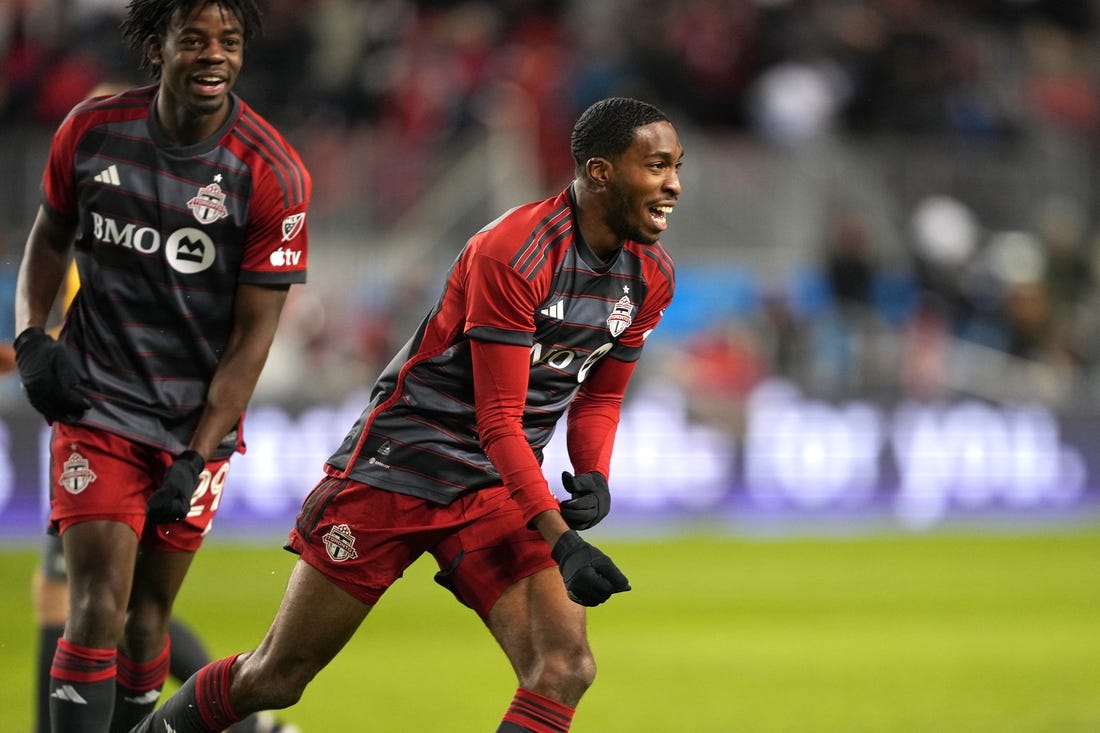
591	499
590	576
48	376
172	501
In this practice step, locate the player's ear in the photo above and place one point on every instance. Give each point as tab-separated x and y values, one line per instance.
153	50
599	171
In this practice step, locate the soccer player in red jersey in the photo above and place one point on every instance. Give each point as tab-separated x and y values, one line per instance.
544	314
185	213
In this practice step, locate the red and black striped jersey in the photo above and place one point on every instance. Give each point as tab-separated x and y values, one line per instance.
164	235
527	279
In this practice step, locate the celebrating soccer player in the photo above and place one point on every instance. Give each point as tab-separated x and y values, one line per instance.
544	312
186	211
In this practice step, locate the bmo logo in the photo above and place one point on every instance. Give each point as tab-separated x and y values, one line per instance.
186	250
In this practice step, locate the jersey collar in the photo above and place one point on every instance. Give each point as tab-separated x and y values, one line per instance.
156	131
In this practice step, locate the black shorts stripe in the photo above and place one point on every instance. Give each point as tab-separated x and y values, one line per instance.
313	508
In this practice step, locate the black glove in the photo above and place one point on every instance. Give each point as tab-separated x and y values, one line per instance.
172	501
48	376
590	576
591	499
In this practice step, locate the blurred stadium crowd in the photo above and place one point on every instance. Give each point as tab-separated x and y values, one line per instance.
945	239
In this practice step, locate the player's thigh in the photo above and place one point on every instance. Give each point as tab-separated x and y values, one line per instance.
489	550
315	620
534	619
158	577
100	557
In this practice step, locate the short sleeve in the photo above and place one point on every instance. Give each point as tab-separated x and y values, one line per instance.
277	243
500	303
58	181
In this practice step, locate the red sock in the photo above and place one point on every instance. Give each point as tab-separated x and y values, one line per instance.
144	676
137	688
212	694
538	714
82	687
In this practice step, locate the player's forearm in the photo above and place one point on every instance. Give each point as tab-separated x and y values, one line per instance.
256	317
550	525
594	417
500	390
521	473
230	390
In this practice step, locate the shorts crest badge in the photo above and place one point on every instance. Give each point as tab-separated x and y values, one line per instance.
75	474
620	317
340	543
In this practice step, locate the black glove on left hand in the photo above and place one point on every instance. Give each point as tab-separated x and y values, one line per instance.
591	499
172	501
48	376
590	576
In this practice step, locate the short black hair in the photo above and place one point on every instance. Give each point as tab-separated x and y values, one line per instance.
145	18
606	129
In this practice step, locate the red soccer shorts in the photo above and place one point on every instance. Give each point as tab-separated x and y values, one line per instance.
99	475
363	539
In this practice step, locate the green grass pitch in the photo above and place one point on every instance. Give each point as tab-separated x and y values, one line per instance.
944	632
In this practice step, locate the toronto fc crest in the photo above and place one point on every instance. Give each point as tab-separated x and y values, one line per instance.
340	543
620	316
75	474
208	205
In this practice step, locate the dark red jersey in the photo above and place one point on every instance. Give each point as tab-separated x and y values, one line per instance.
527	279
164	236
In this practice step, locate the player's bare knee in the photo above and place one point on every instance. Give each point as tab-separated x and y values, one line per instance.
571	672
96	620
582	669
145	635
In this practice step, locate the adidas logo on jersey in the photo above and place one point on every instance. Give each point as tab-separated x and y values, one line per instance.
68	693
555	311
108	175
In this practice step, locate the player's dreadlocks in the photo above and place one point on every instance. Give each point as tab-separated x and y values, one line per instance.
606	129
145	18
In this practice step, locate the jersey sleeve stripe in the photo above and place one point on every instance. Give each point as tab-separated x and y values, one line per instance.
551	231
265	132
278	171
664	264
257	136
